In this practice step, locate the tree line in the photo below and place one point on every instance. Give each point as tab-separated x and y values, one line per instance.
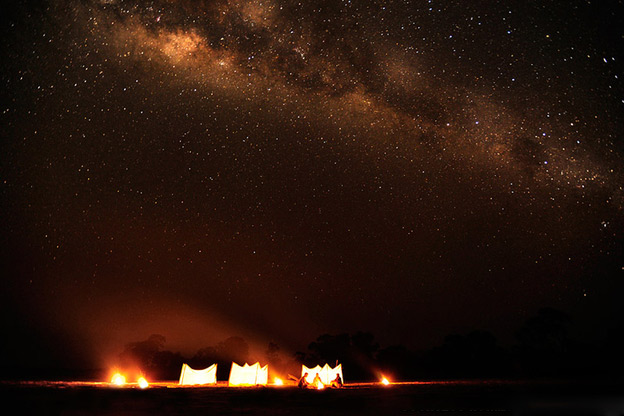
544	348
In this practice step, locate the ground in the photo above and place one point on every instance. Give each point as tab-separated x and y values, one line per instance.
475	398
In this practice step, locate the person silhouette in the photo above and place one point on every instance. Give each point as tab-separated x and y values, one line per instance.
337	382
317	382
303	383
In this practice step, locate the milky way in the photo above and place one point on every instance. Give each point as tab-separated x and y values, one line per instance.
407	168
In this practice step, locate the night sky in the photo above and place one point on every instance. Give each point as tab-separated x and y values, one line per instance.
281	169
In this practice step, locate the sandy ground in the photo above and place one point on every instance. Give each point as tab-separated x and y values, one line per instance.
435	398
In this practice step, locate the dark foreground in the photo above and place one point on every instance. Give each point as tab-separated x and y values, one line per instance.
439	398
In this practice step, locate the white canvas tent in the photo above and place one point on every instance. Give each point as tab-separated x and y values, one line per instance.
249	375
326	373
189	376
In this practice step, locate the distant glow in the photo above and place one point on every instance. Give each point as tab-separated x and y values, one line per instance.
385	381
143	383
118	379
278	381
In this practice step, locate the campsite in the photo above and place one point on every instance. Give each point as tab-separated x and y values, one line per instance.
248	391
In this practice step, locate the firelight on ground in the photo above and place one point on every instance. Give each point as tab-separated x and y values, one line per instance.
142	382
118	379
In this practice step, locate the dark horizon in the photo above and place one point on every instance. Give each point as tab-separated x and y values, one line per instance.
279	170
547	346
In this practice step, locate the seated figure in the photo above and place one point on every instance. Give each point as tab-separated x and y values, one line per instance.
317	382
337	382
303	383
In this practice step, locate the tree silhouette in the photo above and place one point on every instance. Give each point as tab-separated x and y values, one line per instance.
142	353
466	356
204	357
329	348
544	348
543	343
149	357
232	349
613	359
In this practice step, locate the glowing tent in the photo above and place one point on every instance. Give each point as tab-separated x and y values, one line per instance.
249	375
189	376
326	373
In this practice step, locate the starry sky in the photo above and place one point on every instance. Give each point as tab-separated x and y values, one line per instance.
281	169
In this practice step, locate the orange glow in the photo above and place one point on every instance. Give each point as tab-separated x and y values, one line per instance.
385	381
320	386
143	383
118	379
278	381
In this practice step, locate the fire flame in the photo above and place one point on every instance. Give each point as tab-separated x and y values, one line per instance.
278	381
385	381
118	379
320	386
142	382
